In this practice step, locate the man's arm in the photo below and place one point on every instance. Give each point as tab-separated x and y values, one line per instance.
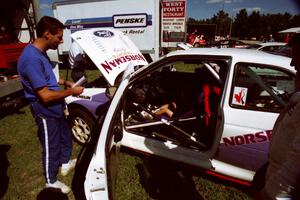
48	96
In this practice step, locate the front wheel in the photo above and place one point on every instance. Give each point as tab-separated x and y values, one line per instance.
82	125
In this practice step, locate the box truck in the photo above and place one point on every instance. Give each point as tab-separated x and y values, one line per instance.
150	24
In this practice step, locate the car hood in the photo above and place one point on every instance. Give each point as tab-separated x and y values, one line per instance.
110	50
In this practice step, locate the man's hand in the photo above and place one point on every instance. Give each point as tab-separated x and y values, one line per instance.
67	84
77	90
48	96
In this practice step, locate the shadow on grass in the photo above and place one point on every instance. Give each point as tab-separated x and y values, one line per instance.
13	106
164	181
51	194
4	179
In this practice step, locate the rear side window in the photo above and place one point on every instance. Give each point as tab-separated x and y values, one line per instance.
260	87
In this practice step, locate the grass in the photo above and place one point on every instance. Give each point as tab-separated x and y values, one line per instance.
18	131
138	178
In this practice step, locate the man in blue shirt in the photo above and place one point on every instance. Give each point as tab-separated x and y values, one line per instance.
47	101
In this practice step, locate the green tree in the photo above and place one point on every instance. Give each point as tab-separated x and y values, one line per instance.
254	25
295	21
223	23
240	28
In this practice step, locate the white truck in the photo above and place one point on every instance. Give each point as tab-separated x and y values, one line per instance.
150	24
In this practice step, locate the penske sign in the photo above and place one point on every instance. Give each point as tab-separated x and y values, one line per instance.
130	21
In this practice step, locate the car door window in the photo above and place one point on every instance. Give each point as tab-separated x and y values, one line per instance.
262	88
175	88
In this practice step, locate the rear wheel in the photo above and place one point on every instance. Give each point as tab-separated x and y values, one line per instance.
82	125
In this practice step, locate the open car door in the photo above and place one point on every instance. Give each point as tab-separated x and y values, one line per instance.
100	176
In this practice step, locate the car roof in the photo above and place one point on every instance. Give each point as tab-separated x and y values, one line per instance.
239	55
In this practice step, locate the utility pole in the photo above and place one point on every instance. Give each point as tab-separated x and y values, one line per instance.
230	27
36	8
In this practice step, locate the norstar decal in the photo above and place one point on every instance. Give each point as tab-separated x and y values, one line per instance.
126	21
250	138
109	65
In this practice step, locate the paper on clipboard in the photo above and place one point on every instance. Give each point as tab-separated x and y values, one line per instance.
79	82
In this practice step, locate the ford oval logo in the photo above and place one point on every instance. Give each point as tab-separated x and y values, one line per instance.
104	33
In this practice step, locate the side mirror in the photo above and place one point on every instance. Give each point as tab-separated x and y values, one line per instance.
110	91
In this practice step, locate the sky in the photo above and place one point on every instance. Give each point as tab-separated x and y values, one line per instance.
203	9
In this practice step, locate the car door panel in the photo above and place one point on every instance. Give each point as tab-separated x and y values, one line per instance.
250	113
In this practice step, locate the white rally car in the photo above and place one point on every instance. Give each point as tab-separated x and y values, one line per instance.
225	103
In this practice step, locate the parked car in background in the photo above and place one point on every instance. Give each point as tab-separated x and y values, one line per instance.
231	43
227	134
196	40
267	46
284	51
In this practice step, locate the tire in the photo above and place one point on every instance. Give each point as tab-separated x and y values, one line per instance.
82	125
259	178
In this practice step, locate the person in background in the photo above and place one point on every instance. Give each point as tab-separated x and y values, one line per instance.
271	39
78	62
286	38
283	171
47	101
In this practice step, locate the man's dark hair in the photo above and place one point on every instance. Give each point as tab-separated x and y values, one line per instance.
50	24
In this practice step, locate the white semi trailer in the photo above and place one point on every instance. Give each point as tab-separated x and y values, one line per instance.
141	20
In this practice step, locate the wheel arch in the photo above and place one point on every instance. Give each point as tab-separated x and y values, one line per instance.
88	107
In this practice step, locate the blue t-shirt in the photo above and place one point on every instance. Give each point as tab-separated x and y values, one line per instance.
35	70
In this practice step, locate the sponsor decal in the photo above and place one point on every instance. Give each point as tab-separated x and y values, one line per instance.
119	49
134	31
141	20
84	97
127	21
110	65
104	33
239	96
251	138
76	27
75	21
173	9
